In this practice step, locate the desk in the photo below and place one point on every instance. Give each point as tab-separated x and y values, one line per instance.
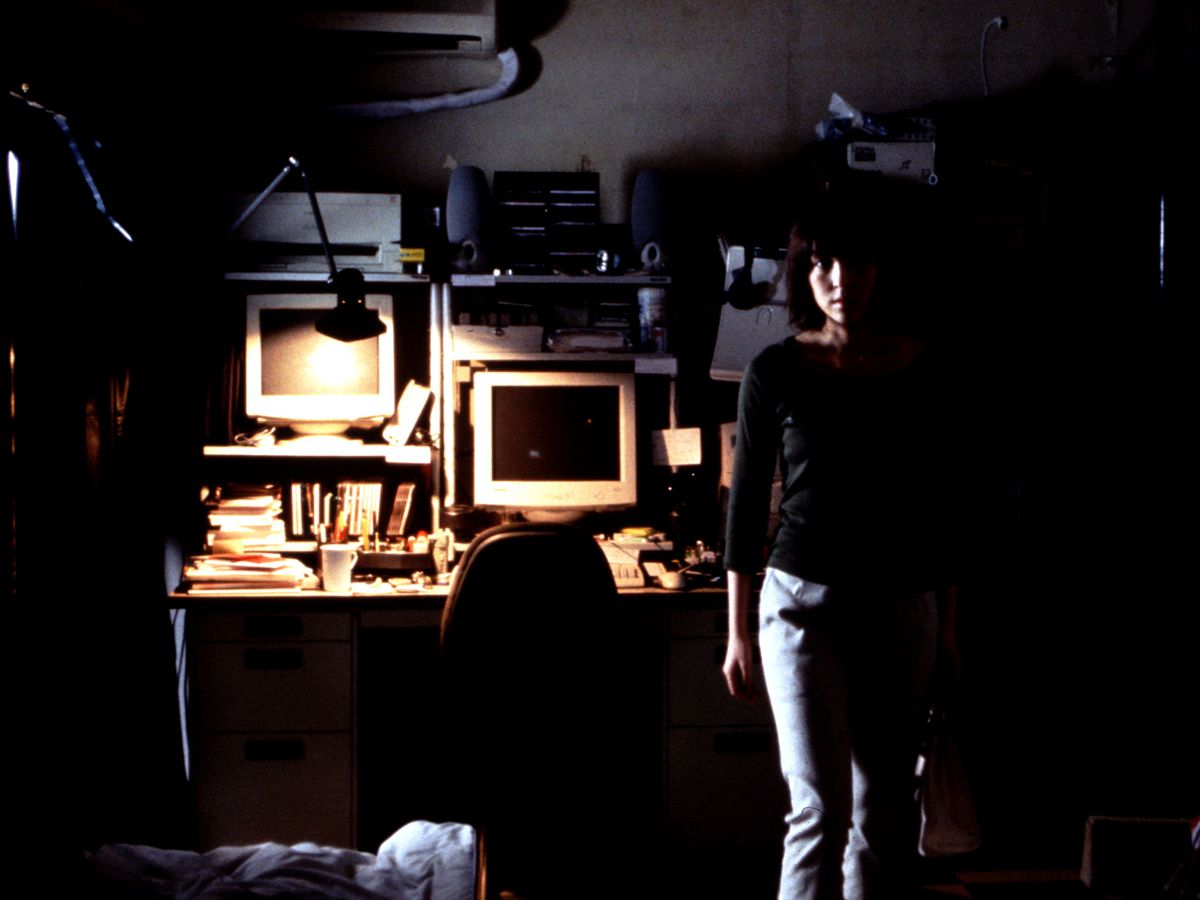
310	714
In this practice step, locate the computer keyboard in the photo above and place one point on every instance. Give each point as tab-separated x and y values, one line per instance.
627	575
624	564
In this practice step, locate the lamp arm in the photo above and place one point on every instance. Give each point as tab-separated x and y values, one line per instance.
292	165
350	320
312	198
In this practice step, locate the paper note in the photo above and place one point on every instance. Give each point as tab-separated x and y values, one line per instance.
728	439
677	447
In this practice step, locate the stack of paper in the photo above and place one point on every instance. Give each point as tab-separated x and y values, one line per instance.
246	572
245	518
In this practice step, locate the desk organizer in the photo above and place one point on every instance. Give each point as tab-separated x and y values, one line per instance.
393	561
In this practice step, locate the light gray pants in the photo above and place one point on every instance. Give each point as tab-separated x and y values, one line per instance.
847	674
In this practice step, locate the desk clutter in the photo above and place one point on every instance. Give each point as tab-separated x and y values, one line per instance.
640	558
246	572
244	517
265	538
268	517
637	559
275	573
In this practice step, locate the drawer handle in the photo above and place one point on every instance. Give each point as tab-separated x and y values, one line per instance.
273	750
259	659
743	742
259	627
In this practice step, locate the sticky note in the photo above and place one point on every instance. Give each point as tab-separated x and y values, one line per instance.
677	447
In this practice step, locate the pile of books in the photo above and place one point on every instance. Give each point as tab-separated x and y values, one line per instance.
243	518
350	511
242	572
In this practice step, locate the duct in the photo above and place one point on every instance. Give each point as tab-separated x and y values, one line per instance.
505	84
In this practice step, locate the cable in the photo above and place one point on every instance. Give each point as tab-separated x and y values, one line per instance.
1000	22
264	437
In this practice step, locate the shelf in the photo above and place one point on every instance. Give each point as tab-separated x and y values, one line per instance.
633	279
461	279
643	363
383	278
416	456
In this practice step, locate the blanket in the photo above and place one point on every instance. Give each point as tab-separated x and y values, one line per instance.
421	861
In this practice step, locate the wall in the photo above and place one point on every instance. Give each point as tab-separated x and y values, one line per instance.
699	87
710	86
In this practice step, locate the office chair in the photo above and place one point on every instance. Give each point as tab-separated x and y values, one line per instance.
537	698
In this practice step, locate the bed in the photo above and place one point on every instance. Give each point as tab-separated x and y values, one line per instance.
421	861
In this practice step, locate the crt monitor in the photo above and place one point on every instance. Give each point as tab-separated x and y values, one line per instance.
555	445
313	384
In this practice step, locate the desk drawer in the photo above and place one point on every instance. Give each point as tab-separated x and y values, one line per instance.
272	686
267	787
696	691
724	788
270	626
699	622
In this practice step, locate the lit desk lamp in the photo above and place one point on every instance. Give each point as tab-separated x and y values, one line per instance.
350	320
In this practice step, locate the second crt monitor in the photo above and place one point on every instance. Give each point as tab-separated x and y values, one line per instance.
555	444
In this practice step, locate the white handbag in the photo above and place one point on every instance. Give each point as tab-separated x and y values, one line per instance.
949	825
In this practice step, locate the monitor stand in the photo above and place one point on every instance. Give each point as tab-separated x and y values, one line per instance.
321	442
554	516
317	436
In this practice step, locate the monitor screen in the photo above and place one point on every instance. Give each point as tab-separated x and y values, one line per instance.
548	441
298	377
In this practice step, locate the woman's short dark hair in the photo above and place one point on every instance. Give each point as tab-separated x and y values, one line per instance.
872	221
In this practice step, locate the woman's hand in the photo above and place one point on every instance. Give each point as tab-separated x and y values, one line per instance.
739	668
739	652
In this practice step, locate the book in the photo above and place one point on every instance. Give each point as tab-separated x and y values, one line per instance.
245	516
242	571
401	507
358	505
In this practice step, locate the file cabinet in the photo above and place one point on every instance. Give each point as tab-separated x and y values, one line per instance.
310	722
724	795
272	724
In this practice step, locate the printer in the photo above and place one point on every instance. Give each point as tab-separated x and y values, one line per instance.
282	235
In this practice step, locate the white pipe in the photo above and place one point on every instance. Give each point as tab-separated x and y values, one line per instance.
1000	23
510	70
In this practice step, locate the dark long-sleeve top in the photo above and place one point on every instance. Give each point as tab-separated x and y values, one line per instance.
869	472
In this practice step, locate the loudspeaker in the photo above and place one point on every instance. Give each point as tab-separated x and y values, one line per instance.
648	219
468	218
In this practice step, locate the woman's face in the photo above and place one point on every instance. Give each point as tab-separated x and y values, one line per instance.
842	287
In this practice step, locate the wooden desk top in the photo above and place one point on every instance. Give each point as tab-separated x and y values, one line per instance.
425	599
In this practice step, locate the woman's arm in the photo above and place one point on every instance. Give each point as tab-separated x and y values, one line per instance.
739	652
754	456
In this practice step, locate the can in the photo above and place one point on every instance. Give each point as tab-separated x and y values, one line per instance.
652	319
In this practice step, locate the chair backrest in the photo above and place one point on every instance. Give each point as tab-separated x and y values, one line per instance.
540	576
533	714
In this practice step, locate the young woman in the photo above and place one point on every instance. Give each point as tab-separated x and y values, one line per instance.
856	593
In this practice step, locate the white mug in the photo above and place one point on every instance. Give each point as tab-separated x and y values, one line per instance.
337	562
